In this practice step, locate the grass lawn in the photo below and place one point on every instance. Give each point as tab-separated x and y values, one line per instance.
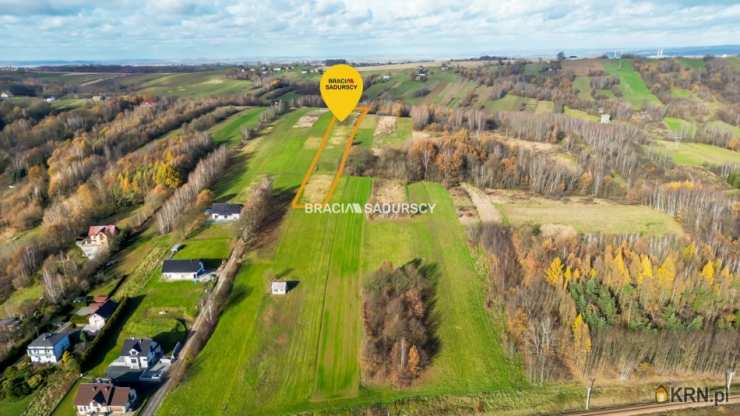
585	216
636	93
10	406
511	102
400	134
16	299
696	154
692	63
194	84
572	112
681	93
230	130
583	85
679	126
301	352
721	125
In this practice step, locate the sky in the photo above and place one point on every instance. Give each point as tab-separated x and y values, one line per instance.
181	30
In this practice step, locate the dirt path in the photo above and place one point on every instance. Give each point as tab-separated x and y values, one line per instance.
486	211
655	408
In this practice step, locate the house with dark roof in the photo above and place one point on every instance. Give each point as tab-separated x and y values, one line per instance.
224	212
140	353
104	399
139	361
102	312
182	269
48	347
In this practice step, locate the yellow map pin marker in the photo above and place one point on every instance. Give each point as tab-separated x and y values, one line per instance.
341	89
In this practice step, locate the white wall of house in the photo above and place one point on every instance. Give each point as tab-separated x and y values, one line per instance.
180	276
95	322
219	217
45	355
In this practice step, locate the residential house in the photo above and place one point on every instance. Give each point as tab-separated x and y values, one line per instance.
50	99
98	319
48	347
421	74
279	288
149	102
140	361
5	94
140	353
182	269
104	399
605	118
224	212
97	240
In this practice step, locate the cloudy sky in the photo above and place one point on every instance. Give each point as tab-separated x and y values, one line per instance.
230	29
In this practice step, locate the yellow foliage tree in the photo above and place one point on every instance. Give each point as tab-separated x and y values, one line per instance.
708	272
554	273
581	337
646	269
667	273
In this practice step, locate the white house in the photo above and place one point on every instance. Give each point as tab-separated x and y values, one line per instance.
279	288
50	99
224	212
104	399
96	320
182	269
48	347
98	239
140	353
605	118
5	94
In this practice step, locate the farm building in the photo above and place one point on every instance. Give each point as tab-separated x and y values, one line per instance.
605	118
98	239
104	399
279	288
224	212
48	347
149	103
182	269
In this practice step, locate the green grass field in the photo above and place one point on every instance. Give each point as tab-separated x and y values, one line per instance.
583	85
230	130
511	102
301	352
635	92
677	126
696	154
572	112
597	216
195	84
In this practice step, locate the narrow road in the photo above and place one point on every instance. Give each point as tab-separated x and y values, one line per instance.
652	408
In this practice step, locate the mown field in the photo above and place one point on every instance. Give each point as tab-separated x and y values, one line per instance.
583	214
195	84
301	351
635	92
696	154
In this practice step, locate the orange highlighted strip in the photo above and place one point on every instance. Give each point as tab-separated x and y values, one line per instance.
340	170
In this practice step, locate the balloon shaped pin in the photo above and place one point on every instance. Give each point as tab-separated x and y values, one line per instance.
341	89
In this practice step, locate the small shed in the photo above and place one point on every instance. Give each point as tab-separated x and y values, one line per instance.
279	288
